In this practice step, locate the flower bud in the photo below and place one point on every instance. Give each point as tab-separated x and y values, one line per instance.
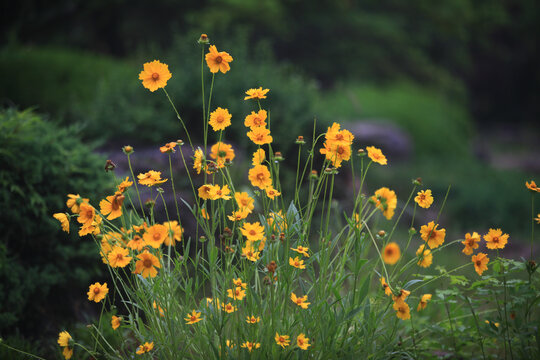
278	156
202	238
180	142
149	203
204	39
300	140
127	149
381	233
417	181
361	152
271	267
313	175
109	166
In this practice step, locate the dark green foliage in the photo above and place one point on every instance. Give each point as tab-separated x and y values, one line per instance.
41	267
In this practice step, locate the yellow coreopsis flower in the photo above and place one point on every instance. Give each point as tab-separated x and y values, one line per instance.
386	201
220	119
495	239
244	201
112	205
391	253
228	308
218	60
63	338
256	93
155	235
256	119
423	302
300	301
424	199
239	283
471	243
137	243
302	341
193	318
97	292
376	155
146	265
155	75
118	257
250	345
116	321
144	348
258	157
297	263
252	319
403	294
402	310
221	153
175	232
301	250
271	192
253	231
425	257
236	293
124	185
198	158
259	176
217	192
532	186
74	201
249	253
168	148
260	135
64	221
151	178
480	262
386	287
282	340
431	235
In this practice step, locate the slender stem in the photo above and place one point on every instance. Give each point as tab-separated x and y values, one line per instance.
136	187
477	326
173	189
179	118
20	351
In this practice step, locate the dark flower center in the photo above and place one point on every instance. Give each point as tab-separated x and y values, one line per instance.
155	76
218	59
147	263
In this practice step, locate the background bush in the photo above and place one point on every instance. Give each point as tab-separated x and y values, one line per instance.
43	272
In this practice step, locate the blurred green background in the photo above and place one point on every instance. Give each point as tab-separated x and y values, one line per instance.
448	90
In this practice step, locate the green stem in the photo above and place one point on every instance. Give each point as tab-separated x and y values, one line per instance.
477	326
136	187
173	189
179	118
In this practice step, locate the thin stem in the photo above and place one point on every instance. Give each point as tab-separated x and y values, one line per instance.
179	118
136	187
173	189
477	326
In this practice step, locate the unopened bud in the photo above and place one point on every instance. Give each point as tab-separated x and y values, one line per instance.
109	166
300	140
278	156
203	39
313	175
149	203
180	142
381	233
361	152
417	181
271	267
202	238
282	237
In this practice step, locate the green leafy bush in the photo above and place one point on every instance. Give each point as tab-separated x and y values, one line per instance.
39	267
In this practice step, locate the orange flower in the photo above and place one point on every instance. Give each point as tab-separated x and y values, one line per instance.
252	319
168	148
64	221
238	215
97	292
118	257
300	301
301	250
302	341
423	302
537	218
193	318
67	352
175	232
253	231
236	293
86	214
144	348
124	185
376	155
151	178
471	243
147	265
198	160
158	308
137	243
155	75
249	253
228	308
155	235
256	119
260	177
391	253
271	192
222	153
282	340
217	192
74	201
218	61
424	199
336	153
425	257
297	263
431	235
532	186
244	201
260	135
220	119
277	221
112	205
385	287
116	321
250	345
258	157
403	295
204	191
386	201
402	310
495	239
256	93
480	262
239	283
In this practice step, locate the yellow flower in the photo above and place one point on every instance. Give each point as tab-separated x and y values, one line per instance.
256	119
74	201
402	310
425	257
124	185
116	321
376	155
471	243
297	263
238	215
221	153
67	352
260	177
218	61
335	136
386	201
204	191
250	345
424	199
168	148
64	221
386	287
91	227
244	201
253	231
198	160
193	318
238	283
277	221
480	262
302	341
532	186
137	243
301	250
155	75
282	340
97	292
175	232
300	301
260	135
256	93
217	192
158	308
252	319
151	178
236	293
204	214
431	235
112	205
391	253
336	153
423	302
271	192
144	348
64	338
228	308
249	252
258	157
118	257
146	265
495	239
403	295
220	119
86	214
155	235
537	218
